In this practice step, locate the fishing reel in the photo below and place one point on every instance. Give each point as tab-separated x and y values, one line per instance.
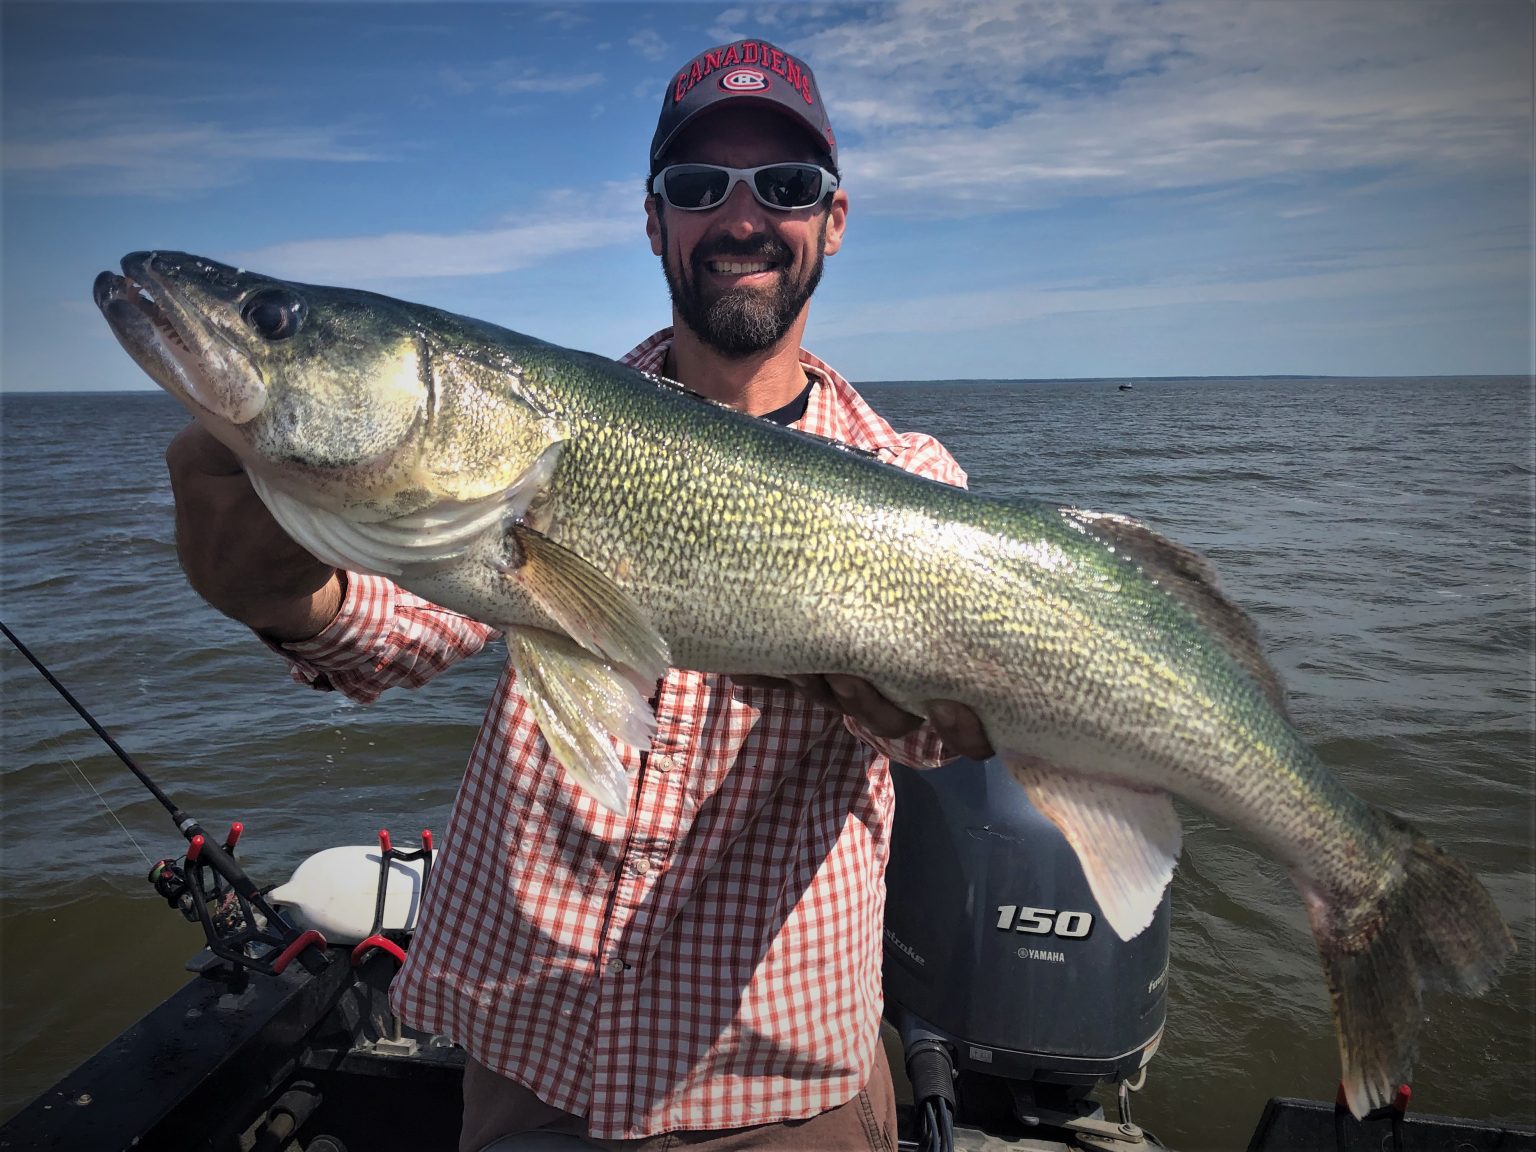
209	889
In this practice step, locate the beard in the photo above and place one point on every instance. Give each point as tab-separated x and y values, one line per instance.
742	322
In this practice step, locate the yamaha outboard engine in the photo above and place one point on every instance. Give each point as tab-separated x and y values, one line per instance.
1013	997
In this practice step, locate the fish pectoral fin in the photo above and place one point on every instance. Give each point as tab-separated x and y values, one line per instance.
582	705
1127	840
591	608
1191	580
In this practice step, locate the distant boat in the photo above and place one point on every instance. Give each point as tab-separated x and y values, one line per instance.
1126	387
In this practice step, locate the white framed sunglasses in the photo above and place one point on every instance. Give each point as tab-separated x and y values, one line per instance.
783	187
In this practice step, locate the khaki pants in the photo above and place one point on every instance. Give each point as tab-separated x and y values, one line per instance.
495	1106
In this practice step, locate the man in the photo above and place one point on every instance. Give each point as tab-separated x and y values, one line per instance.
704	968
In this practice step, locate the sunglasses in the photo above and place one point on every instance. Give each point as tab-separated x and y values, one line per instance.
700	187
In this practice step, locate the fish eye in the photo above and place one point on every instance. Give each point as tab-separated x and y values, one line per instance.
275	313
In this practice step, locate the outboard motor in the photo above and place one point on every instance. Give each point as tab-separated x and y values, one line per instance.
1013	997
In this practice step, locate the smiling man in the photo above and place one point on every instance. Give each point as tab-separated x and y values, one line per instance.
744	206
756	1021
702	970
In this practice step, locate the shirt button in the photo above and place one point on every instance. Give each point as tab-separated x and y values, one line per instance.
663	763
642	866
615	966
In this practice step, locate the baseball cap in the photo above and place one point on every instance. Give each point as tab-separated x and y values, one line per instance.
747	71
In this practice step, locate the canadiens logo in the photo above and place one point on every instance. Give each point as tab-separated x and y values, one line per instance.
747	65
744	80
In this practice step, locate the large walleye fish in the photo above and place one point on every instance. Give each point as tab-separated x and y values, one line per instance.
612	525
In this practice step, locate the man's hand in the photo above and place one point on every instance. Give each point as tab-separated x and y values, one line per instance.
234	553
957	726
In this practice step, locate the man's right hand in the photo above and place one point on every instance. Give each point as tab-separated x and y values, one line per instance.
234	553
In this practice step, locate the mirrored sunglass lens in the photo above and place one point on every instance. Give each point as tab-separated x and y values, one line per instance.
696	187
790	185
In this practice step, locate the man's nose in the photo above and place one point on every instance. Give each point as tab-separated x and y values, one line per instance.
740	213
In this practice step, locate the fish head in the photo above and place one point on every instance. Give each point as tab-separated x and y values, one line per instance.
294	378
332	395
319	390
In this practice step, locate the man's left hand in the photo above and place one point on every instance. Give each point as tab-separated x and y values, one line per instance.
956	724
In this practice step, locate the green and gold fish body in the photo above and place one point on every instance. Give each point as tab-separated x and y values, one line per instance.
612	525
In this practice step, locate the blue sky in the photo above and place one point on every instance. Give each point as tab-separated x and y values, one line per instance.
1062	189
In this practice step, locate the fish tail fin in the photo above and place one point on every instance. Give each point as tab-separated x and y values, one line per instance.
1434	926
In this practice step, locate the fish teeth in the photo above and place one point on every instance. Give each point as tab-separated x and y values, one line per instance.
169	331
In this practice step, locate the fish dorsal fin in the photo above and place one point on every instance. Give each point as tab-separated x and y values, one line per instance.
582	705
1191	580
591	608
1127	840
430	537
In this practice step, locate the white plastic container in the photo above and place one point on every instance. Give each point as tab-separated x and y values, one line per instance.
334	892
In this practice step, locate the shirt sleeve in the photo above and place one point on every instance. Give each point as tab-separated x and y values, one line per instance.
382	637
920	748
925	456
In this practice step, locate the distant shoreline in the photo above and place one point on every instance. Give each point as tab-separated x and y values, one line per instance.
1191	379
958	381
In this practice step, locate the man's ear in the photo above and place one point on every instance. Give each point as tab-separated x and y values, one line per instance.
653	223
837	221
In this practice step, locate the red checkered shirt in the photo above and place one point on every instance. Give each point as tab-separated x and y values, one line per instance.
709	960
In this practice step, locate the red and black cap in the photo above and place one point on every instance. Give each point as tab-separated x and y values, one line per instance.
746	71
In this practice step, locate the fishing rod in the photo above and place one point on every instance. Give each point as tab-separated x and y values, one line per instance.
240	926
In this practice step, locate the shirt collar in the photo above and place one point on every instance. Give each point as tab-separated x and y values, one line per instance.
835	410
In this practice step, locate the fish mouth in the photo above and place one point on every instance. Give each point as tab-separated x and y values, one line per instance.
172	340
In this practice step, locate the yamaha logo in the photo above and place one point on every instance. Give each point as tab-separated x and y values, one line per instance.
744	80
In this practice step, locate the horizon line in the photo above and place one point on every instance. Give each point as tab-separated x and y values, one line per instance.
949	380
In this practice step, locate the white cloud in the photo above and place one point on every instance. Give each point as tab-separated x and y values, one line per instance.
565	222
514	76
994	103
162	158
1444	271
648	43
739	23
534	82
568	18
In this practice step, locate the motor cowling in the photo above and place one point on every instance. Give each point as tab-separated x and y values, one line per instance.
995	946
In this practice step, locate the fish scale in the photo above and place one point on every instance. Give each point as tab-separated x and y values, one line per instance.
612	525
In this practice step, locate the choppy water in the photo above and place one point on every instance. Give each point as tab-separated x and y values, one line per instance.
1380	531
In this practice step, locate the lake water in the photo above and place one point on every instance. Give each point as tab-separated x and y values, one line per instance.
1378	530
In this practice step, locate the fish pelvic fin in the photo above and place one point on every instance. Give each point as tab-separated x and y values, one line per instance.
582	706
1127	840
591	608
1191	580
1435	926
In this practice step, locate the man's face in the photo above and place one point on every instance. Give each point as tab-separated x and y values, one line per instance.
740	273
